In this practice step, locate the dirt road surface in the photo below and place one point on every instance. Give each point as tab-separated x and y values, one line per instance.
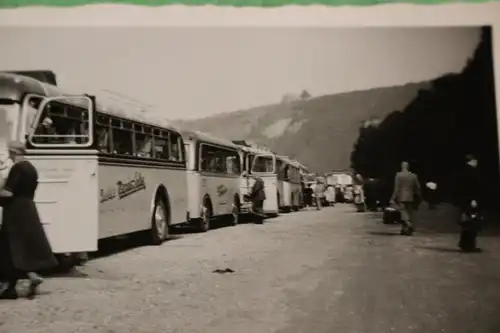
312	271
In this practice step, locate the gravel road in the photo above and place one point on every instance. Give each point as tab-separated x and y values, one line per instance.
320	271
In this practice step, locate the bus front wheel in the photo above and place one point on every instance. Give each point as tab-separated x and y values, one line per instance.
159	223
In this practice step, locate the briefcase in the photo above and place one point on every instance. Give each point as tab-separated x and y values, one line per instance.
391	215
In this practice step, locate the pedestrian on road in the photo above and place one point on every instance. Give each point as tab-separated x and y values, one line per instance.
319	193
24	248
406	195
257	196
467	198
330	195
308	196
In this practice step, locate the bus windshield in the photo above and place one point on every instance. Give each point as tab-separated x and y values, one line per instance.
9	117
263	164
62	124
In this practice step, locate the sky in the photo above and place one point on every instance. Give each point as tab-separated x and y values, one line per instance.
187	73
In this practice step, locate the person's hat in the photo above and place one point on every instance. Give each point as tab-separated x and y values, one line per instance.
47	121
16	146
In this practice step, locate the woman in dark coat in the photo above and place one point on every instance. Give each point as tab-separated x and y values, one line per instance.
24	247
467	197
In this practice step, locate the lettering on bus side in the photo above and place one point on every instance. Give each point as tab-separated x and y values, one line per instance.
132	186
221	190
124	189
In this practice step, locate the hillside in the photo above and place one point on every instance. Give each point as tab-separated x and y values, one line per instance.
319	132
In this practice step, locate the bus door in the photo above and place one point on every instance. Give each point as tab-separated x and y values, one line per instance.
264	166
68	192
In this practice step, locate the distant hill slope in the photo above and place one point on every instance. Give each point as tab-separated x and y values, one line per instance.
319	132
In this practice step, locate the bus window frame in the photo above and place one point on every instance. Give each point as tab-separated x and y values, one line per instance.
91	116
200	145
273	158
153	160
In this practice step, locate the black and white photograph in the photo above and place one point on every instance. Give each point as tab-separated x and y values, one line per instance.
249	179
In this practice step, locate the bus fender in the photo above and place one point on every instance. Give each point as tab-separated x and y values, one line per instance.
162	193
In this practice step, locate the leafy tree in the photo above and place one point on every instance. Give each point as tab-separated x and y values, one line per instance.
455	116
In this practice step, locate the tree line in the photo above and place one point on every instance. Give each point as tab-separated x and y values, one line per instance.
456	116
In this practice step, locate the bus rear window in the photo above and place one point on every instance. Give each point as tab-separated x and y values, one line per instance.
62	124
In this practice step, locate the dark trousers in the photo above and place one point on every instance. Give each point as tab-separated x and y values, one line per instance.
258	211
8	271
468	238
319	205
432	200
407	210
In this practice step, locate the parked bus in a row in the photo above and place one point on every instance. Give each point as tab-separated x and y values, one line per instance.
260	162
103	171
289	184
214	171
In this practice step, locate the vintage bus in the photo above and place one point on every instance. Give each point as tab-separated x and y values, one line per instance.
103	171
289	180
213	179
260	162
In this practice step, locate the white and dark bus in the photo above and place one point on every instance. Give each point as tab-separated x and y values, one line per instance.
104	171
213	178
260	162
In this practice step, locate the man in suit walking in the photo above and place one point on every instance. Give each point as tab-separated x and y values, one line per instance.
406	195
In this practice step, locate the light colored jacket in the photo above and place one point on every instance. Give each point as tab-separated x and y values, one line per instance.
406	187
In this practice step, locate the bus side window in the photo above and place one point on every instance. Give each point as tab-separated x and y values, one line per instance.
103	134
205	160
143	141
122	142
211	159
229	164
122	138
220	163
233	163
286	170
161	145
175	148
103	139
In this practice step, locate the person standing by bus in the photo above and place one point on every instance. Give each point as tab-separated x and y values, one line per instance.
24	247
257	196
406	195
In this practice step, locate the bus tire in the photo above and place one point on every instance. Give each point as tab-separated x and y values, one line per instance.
206	216
235	214
159	222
